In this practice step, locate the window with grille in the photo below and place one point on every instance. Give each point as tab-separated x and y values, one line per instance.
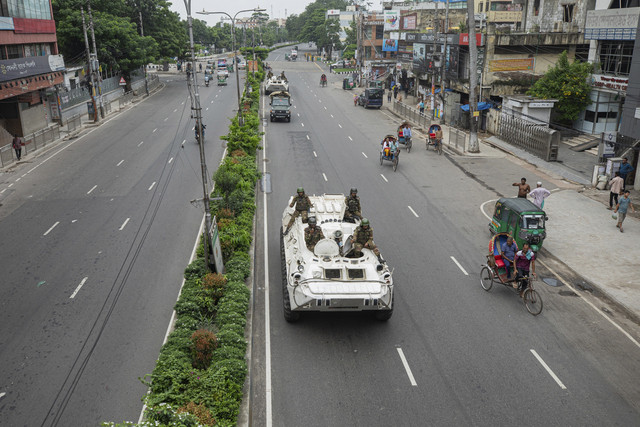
615	56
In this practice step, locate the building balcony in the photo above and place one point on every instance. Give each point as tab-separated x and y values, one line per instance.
612	24
539	39
504	16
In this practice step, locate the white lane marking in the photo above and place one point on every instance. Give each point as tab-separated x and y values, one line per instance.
175	110
267	318
193	128
308	137
206	109
182	103
212	101
3	190
339	125
365	156
545	366
319	100
302	124
52	227
575	291
298	114
92	188
73	221
73	295
314	154
331	115
23	175
325	108
124	224
2	395
154	130
350	139
214	97
324	176
413	212
120	162
141	142
165	119
406	367
10	185
383	177
459	266
152	185
18	179
170	160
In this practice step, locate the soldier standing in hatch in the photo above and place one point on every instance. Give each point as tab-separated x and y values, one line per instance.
302	204
363	238
353	209
312	234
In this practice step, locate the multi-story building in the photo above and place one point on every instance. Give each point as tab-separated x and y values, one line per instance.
30	67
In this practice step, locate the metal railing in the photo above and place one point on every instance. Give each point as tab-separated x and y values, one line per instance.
31	142
458	139
74	122
534	138
411	114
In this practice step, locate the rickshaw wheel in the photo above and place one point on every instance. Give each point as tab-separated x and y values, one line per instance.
409	146
395	164
381	157
440	148
486	278
532	301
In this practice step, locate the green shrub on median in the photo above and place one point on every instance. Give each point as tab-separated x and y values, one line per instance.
184	392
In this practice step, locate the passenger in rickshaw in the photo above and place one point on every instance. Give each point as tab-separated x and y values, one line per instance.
508	251
394	148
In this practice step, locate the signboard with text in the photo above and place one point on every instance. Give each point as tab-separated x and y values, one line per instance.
516	64
610	82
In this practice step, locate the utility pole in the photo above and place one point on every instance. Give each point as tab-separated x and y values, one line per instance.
433	62
359	36
95	63
195	103
443	62
474	147
144	67
89	67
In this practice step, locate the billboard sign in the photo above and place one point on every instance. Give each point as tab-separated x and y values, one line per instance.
391	20
409	22
389	45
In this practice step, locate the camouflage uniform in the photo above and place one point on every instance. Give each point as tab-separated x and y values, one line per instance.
353	209
302	204
363	238
312	235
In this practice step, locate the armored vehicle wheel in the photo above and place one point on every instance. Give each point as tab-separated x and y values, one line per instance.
289	316
486	278
380	157
288	119
440	148
532	301
395	164
386	314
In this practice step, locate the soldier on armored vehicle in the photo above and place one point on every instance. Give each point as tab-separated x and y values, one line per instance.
312	234
363	238
353	209
302	204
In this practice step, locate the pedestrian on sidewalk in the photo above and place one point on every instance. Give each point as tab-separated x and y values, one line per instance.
539	194
621	208
625	170
523	188
389	95
615	188
17	145
395	91
421	107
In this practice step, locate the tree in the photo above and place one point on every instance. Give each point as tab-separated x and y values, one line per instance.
566	82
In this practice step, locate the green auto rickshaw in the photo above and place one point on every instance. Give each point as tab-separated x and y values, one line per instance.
521	219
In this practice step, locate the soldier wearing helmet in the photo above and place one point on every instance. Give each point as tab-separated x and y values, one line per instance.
312	234
353	209
302	205
363	238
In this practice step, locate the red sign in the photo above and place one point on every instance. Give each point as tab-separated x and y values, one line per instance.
122	81
464	39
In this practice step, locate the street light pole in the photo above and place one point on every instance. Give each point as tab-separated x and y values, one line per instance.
199	128
233	46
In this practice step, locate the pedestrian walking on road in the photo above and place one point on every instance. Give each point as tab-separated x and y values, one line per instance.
17	145
621	208
539	194
523	188
625	170
615	188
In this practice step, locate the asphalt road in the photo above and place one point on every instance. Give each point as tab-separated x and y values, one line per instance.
95	236
472	357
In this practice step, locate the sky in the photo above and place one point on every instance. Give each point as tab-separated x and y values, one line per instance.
275	8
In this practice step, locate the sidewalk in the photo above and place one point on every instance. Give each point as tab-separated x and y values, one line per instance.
581	231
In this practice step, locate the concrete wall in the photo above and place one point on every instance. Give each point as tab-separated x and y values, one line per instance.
33	119
630	125
550	16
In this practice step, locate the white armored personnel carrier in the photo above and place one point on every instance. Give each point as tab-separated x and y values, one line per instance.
331	278
276	84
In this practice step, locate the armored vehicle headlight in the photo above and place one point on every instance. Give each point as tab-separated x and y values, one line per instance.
300	268
297	276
